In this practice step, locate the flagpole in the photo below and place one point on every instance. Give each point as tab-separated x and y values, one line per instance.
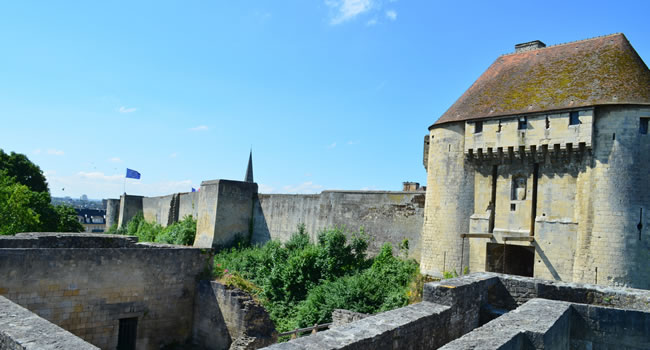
125	185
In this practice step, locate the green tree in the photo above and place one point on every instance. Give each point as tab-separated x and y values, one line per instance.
25	201
16	214
23	171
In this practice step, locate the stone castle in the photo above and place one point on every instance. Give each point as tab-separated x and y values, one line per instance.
538	170
541	168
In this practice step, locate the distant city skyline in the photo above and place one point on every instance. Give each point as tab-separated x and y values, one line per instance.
332	94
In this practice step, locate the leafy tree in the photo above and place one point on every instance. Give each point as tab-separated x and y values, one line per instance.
23	170
67	219
16	214
25	201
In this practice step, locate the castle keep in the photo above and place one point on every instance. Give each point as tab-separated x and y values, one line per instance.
541	168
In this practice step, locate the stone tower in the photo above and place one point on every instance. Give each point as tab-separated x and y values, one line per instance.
541	168
249	169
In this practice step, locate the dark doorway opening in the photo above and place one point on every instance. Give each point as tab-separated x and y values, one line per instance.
127	334
510	259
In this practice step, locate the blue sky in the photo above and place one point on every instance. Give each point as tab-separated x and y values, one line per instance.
333	94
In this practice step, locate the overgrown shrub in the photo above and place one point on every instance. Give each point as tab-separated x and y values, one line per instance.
181	233
301	283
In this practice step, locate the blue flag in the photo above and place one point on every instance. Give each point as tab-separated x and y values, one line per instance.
132	174
193	189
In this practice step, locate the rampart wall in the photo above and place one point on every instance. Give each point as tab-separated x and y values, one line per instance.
385	216
225	209
86	283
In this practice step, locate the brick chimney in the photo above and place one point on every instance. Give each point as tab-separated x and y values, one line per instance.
531	45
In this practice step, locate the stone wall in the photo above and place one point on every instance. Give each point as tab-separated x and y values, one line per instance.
227	317
86	288
112	212
450	202
576	196
547	315
225	213
385	216
130	206
166	210
158	209
20	329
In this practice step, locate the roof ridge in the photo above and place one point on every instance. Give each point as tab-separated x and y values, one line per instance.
566	43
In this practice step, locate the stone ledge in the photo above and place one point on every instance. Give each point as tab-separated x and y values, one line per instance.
22	329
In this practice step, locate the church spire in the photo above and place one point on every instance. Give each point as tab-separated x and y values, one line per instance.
249	169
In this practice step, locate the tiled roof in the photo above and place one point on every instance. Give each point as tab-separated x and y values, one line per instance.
597	71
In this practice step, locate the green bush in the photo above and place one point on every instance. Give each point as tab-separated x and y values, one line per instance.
181	233
301	283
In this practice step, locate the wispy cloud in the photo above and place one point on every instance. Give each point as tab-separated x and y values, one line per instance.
200	128
55	152
371	22
100	185
346	10
333	145
37	151
173	155
353	142
391	14
305	187
115	160
124	109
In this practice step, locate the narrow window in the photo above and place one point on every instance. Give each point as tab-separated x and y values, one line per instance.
643	126
127	333
499	127
478	127
548	123
523	123
513	207
574	118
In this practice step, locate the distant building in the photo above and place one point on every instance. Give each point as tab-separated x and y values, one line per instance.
412	187
93	220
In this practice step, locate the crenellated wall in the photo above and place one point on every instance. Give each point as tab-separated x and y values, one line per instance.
575	196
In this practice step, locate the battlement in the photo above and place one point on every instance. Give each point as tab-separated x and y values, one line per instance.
531	136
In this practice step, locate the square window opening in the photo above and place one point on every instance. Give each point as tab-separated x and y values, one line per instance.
478	127
513	207
574	118
523	123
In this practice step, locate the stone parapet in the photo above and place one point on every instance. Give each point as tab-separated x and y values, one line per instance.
20	329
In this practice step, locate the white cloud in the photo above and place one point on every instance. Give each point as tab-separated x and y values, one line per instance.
371	22
115	160
348	9
333	145
200	128
353	142
100	185
305	187
55	152
173	155
124	109
36	151
391	14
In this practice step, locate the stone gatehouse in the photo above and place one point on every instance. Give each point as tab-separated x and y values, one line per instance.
541	168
